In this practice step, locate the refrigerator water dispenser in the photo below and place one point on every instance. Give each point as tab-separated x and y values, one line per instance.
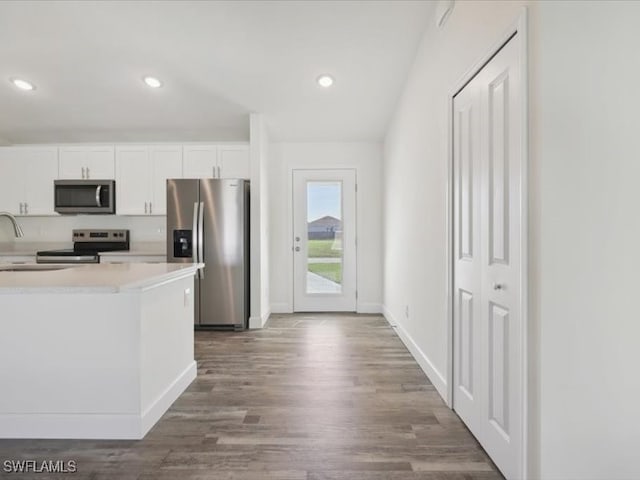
182	243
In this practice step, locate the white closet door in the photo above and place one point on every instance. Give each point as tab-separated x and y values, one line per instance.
501	137
467	259
488	353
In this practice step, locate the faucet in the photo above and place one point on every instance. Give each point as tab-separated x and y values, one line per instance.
16	228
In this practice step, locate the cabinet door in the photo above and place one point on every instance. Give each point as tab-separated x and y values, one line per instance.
11	181
234	161
200	161
40	169
101	163
72	161
95	161
133	180
166	162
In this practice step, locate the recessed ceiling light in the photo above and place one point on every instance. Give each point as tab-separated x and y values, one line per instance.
22	84
152	82
325	81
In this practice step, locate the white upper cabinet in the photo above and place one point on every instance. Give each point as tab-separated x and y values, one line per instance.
166	162
132	180
87	162
200	161
142	172
41	169
11	181
234	161
27	173
26	183
216	161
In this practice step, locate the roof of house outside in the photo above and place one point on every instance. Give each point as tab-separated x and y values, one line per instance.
326	221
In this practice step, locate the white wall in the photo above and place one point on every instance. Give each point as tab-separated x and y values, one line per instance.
415	178
58	228
584	170
415	175
586	135
366	159
265	303
259	146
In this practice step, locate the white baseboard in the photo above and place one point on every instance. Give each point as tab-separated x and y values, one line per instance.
259	322
361	308
255	322
65	426
281	308
369	308
438	380
125	426
153	413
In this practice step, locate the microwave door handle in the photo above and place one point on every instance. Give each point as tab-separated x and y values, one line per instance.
201	237
98	192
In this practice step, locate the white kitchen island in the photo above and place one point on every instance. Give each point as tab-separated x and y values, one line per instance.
94	351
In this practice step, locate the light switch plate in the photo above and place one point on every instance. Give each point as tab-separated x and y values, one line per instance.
187	296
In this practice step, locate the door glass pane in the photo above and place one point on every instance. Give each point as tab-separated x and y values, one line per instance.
324	237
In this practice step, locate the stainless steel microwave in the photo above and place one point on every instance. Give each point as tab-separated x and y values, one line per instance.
85	196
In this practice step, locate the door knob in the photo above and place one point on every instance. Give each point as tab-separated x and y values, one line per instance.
297	239
297	249
499	286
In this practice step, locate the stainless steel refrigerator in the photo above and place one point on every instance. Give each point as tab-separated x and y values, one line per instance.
208	221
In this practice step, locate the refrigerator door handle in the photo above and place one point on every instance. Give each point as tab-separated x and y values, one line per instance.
201	237
194	235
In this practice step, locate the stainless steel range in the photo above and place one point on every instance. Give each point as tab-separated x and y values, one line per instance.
87	245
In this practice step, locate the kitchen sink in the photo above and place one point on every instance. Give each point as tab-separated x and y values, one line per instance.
31	267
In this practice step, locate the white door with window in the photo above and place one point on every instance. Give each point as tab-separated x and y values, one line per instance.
324	240
488	261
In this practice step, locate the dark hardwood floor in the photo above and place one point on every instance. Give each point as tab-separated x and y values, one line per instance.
310	397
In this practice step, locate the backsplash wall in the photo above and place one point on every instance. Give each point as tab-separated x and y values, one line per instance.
58	229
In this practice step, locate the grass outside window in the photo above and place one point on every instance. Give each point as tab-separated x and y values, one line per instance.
323	249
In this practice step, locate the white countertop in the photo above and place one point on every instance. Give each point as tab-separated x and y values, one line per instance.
95	278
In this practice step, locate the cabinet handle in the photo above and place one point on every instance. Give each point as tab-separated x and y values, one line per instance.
218	171
88	175
145	208
150	208
213	172
26	208
21	209
82	172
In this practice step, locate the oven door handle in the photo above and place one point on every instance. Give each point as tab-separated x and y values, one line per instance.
98	192
68	259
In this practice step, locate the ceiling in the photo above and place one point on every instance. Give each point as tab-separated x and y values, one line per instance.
219	61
